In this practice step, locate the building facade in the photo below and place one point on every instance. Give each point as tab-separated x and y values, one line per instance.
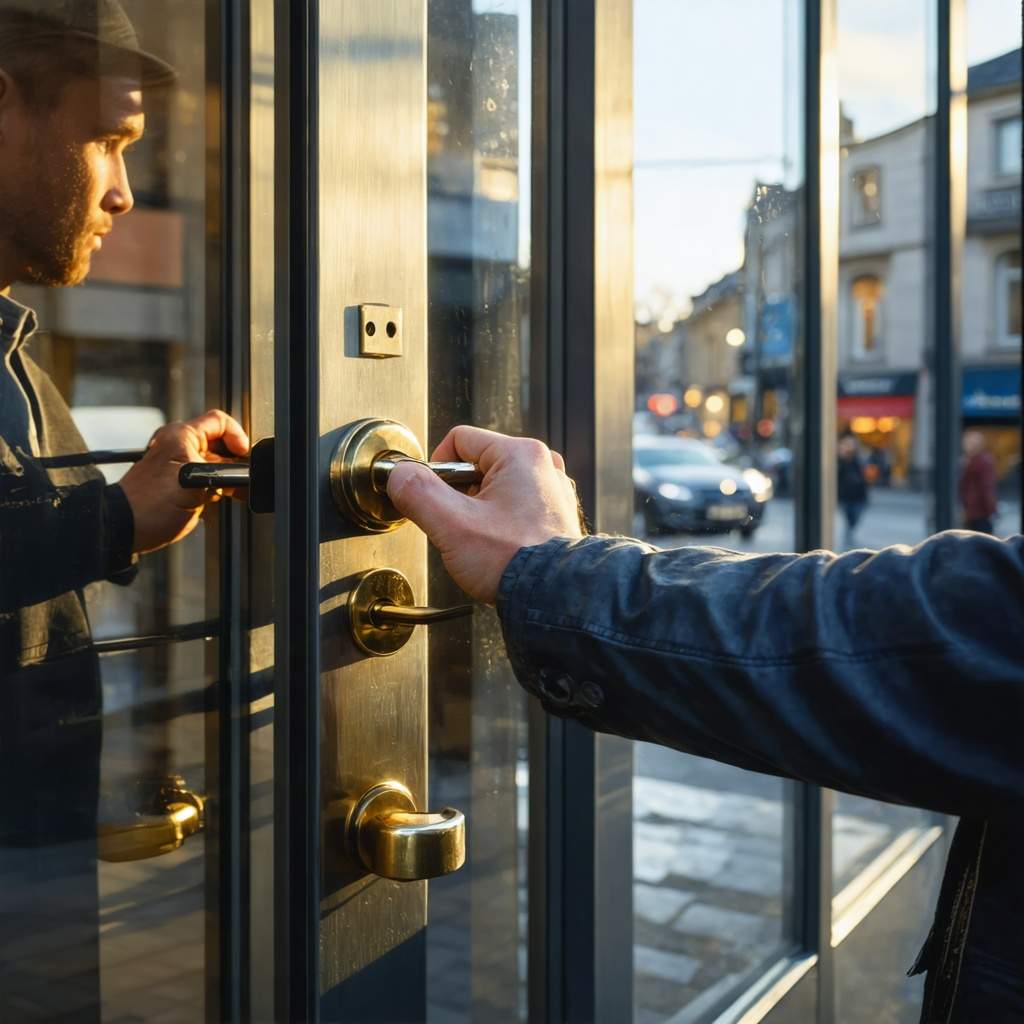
883	357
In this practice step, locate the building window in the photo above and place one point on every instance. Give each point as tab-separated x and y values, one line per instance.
867	197
866	293
1008	146
1008	299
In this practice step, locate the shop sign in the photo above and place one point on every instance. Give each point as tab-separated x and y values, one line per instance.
991	392
879	384
777	330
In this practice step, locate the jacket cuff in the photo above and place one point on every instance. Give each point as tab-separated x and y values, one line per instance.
119	537
524	605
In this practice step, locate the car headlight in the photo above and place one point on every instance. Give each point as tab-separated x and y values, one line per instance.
759	484
675	492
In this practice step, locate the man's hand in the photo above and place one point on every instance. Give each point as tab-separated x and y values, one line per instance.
164	511
525	498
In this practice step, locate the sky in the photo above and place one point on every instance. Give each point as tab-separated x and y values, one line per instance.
717	107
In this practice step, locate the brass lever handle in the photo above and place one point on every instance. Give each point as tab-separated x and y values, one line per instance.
392	839
382	612
170	814
194	475
257	474
458	474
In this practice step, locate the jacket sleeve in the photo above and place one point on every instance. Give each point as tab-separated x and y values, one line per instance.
895	674
57	539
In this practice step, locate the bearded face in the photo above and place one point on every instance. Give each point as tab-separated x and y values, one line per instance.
63	179
51	220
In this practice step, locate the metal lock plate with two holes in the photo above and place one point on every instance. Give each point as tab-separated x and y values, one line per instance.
380	331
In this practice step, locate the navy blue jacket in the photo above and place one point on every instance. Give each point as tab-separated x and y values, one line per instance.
895	674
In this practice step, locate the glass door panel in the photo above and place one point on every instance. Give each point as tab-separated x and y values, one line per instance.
478	274
108	686
885	445
717	277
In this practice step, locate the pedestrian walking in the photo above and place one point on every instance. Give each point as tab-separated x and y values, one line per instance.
978	485
852	485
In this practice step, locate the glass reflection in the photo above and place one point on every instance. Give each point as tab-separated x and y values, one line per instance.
478	174
102	846
718	271
885	446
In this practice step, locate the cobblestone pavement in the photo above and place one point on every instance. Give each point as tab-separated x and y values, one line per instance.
711	876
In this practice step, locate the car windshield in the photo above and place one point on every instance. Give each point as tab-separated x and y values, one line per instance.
684	455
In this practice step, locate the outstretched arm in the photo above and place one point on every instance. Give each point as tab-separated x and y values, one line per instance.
894	674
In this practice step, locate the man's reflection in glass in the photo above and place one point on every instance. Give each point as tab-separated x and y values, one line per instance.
72	79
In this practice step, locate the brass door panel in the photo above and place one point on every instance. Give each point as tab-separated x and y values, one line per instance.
372	252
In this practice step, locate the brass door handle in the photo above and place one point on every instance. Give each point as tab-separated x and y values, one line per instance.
363	459
390	838
382	612
170	814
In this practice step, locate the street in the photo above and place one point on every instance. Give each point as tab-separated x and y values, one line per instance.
892	517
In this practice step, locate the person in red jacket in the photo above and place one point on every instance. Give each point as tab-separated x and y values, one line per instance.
978	484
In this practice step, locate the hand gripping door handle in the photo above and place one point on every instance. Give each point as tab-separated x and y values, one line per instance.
363	460
364	456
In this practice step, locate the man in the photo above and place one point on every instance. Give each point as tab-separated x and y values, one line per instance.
895	674
978	485
71	87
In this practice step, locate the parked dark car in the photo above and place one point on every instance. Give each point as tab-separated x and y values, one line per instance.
682	486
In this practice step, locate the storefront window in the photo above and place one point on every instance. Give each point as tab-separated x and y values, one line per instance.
867	298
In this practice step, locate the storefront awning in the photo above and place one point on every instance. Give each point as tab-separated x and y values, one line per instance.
875	405
882	394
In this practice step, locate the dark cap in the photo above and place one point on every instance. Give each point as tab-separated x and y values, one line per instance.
102	22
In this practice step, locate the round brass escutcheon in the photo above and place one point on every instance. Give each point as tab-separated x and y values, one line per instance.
356	491
374	588
392	839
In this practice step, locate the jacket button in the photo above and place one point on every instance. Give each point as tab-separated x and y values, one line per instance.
557	689
591	694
